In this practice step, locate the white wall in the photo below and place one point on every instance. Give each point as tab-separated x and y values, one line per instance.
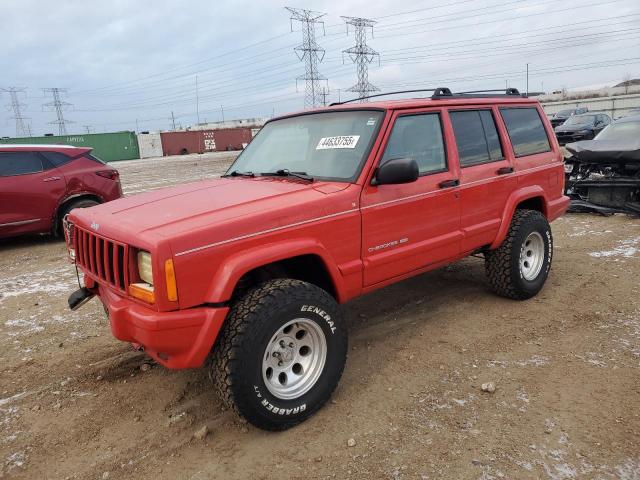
150	145
613	106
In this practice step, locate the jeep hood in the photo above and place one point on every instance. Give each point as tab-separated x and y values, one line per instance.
175	211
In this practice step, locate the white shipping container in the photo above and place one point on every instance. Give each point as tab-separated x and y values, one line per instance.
150	145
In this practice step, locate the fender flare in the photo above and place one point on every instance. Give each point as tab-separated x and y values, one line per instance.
236	265
525	193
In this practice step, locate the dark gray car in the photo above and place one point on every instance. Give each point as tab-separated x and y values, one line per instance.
604	174
562	116
581	127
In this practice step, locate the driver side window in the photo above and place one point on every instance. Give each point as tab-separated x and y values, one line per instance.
418	137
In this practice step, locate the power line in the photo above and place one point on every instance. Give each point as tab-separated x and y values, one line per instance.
22	128
361	54
182	67
476	23
59	107
396	59
309	52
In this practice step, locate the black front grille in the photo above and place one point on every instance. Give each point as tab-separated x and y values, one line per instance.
104	259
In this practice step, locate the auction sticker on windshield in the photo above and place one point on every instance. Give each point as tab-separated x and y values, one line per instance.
344	141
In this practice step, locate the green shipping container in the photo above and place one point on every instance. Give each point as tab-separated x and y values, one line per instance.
109	147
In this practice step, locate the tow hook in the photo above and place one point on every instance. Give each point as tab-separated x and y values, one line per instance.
80	297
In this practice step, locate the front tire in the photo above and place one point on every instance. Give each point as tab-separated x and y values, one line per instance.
519	267
281	353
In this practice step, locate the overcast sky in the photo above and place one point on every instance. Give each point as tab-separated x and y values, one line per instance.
122	60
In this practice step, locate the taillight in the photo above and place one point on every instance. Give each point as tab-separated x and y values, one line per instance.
110	174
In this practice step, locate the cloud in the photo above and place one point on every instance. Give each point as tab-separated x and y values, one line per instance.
123	60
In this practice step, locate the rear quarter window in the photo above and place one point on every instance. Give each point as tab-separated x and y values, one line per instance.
526	130
95	159
56	158
19	163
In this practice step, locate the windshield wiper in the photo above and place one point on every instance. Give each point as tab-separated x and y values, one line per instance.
236	173
287	173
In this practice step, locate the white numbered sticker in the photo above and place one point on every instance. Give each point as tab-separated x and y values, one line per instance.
344	141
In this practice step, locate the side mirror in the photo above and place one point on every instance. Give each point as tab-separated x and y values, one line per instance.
397	170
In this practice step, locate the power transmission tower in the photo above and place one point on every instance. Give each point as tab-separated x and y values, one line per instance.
361	54
59	107
22	127
324	93
310	52
173	121
87	128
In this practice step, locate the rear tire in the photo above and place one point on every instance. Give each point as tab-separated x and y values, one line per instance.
80	203
280	354
519	267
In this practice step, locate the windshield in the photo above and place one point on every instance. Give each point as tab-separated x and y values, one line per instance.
564	113
620	131
327	145
581	120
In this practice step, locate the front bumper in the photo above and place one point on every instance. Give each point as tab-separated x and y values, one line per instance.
178	339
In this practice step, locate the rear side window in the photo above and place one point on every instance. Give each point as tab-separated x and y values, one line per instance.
95	159
55	158
526	130
476	137
19	163
418	137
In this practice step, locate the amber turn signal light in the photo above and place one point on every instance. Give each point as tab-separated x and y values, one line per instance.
170	274
142	291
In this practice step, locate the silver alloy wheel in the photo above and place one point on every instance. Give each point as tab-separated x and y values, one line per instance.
532	256
294	359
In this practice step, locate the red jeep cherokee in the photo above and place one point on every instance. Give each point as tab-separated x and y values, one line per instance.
245	273
40	184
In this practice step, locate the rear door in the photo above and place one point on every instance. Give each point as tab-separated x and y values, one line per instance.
410	226
486	174
29	193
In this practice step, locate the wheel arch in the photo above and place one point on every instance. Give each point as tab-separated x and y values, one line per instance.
531	198
305	260
68	200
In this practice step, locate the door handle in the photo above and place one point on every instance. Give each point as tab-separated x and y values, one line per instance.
504	170
449	183
51	179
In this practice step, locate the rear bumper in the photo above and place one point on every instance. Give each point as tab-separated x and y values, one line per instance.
180	339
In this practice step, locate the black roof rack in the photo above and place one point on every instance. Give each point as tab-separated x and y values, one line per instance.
509	92
444	92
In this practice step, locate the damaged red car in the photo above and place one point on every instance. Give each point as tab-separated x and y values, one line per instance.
40	184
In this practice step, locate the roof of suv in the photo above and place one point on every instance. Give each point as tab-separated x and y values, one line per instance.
440	97
69	149
30	146
430	102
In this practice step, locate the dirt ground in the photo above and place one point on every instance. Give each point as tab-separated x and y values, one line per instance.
76	403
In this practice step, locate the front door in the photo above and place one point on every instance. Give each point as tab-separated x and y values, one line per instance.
410	226
29	194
